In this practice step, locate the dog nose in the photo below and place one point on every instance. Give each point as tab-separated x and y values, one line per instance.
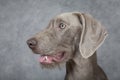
32	43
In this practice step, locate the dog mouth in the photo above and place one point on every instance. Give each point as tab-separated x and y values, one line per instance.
49	59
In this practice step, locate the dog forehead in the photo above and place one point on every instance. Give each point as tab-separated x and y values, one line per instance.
65	16
68	17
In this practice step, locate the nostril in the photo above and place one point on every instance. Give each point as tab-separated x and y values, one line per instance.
32	42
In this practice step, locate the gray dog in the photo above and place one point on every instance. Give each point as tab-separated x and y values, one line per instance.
71	38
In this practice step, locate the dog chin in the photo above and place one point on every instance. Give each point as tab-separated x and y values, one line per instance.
52	66
55	63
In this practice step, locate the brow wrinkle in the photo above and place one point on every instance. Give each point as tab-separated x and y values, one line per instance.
61	20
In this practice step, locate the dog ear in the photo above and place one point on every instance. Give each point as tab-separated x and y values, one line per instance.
92	36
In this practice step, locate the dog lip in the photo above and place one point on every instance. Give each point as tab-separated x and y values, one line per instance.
48	59
52	54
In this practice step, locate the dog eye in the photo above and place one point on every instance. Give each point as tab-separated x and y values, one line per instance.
62	25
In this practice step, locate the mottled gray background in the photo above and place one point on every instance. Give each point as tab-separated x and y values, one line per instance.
20	19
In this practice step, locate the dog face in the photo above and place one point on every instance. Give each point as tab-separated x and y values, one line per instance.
65	34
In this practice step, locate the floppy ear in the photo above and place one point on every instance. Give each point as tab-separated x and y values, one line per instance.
92	36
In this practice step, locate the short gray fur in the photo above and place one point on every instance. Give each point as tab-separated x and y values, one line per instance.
20	19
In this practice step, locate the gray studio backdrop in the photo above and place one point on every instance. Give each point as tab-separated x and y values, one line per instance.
20	19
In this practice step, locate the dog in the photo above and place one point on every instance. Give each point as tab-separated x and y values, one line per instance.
71	38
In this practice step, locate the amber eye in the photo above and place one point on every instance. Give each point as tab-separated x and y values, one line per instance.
62	25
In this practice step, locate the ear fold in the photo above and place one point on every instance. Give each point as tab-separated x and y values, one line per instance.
92	36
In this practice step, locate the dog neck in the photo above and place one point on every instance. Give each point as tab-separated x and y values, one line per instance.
80	68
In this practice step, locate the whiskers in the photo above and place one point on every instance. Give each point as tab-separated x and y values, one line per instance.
52	66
